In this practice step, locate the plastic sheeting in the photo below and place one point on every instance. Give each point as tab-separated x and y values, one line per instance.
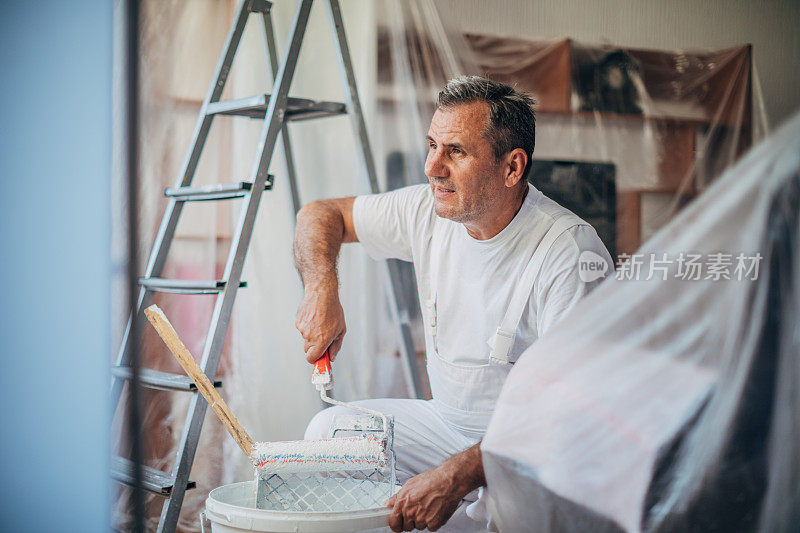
669	399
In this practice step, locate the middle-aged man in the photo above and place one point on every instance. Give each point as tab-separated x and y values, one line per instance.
496	263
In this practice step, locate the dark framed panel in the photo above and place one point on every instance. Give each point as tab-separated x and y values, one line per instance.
586	188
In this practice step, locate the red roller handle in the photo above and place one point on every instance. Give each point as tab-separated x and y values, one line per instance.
321	376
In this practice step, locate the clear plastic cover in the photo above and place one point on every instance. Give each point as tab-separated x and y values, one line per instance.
669	399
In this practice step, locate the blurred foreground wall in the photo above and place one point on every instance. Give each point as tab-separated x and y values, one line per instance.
55	159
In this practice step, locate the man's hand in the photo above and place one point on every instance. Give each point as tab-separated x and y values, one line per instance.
425	501
320	320
430	499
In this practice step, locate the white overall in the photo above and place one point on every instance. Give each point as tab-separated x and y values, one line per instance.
465	395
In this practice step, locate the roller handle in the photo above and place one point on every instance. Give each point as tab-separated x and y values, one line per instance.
165	330
321	375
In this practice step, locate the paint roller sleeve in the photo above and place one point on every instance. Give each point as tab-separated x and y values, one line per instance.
351	453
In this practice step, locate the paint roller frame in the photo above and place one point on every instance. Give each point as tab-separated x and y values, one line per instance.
322	379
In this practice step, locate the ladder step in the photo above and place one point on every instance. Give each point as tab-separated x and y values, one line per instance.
296	108
185	286
223	191
156	379
155	481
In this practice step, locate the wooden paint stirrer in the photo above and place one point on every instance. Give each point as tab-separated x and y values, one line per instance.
167	332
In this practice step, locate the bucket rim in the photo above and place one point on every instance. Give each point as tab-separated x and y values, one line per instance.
252	519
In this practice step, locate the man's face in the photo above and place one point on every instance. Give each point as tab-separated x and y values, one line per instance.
465	177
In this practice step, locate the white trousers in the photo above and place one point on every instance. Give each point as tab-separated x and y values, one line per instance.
422	440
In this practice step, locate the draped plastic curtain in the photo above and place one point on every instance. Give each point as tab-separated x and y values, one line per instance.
669	399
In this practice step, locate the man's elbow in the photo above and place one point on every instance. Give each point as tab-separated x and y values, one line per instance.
309	212
332	217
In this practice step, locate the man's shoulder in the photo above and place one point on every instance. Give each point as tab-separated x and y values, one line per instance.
552	210
404	209
541	213
405	196
416	193
391	224
576	236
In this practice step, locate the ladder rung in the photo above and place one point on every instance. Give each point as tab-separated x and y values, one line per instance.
155	379
221	191
185	286
296	108
153	480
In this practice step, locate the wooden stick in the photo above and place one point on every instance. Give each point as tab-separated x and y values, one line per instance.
167	332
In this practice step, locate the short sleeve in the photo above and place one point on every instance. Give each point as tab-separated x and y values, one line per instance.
387	224
561	284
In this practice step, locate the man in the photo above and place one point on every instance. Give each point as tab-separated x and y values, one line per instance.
496	264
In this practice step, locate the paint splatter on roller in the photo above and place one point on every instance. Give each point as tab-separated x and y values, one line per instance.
348	453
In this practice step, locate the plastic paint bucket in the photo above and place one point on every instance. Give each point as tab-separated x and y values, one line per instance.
231	509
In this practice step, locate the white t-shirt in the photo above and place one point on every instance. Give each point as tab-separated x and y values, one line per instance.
476	278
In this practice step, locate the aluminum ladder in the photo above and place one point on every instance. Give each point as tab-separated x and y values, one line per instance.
276	109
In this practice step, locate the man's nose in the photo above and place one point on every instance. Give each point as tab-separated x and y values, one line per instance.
434	166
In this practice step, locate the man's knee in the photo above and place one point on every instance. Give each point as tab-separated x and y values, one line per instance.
320	425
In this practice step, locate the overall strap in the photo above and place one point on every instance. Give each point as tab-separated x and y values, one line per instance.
503	339
429	288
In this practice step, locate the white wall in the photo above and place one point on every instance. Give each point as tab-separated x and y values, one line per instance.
771	26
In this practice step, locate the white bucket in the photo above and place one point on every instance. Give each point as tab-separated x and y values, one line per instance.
231	509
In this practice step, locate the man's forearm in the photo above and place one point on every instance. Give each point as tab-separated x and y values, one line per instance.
322	227
318	239
465	469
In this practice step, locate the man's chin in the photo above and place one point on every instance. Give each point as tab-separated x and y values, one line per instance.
445	211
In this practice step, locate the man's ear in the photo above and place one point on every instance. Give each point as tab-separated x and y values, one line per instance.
516	160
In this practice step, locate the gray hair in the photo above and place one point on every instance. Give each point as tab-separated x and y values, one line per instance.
512	123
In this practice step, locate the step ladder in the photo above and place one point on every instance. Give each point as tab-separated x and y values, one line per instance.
276	110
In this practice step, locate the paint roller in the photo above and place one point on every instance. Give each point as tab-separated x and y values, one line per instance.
361	452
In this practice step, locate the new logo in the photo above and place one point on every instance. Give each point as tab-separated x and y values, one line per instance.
591	266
